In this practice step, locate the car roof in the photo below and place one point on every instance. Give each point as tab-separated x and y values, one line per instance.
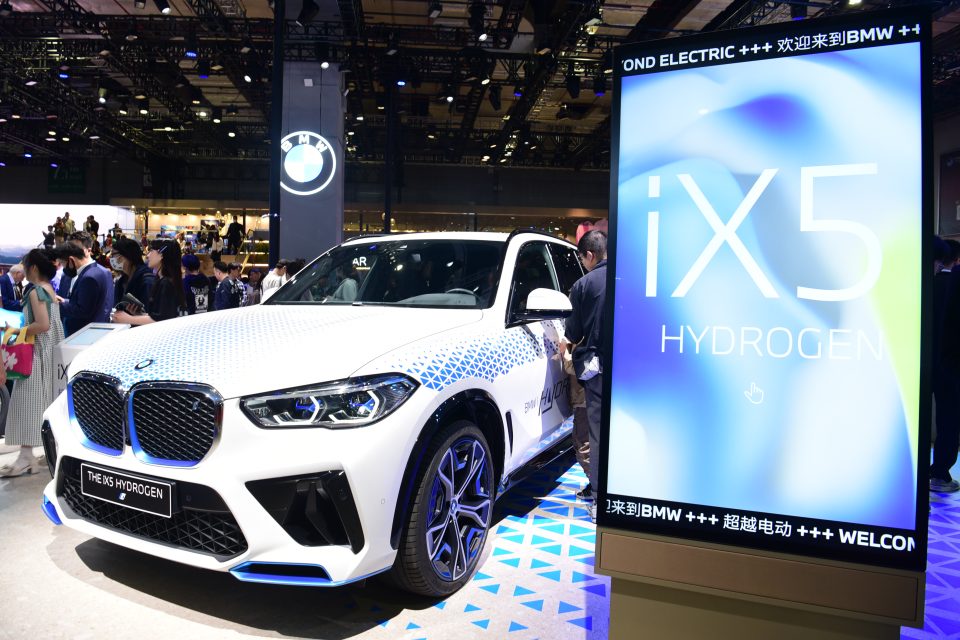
488	236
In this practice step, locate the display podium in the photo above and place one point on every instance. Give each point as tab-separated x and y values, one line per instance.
67	350
765	445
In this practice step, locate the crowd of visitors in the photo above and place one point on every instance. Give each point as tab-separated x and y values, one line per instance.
74	281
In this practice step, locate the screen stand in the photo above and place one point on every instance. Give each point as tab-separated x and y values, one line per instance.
665	588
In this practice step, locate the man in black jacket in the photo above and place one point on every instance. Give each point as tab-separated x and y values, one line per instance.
584	328
946	370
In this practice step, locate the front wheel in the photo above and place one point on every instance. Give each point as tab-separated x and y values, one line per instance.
447	528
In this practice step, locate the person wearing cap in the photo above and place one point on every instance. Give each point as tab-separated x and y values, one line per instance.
196	286
136	278
254	287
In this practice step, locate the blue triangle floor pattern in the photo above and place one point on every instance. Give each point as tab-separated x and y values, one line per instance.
536	578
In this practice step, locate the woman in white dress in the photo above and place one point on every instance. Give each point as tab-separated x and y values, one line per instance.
31	397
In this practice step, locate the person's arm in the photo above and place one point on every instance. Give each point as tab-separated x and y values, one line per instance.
573	326
41	318
122	317
84	304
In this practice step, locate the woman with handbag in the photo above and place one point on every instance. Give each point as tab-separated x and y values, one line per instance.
34	393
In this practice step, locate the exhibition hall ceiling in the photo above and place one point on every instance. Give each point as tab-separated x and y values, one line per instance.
484	82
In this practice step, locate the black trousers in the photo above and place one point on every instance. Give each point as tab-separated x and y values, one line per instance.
593	388
946	390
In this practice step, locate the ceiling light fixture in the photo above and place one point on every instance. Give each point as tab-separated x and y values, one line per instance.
190	48
495	97
232	134
599	84
5	8
572	81
217	115
162	6
798	11
435	10
140	4
247	78
203	69
102	95
393	44
477	20
308	12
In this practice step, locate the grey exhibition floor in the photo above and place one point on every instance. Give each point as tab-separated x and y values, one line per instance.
535	581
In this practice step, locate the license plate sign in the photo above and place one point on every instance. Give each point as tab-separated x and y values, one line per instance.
142	494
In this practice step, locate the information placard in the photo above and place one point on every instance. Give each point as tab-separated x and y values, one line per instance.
767	386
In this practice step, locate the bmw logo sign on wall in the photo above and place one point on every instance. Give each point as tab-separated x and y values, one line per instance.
308	163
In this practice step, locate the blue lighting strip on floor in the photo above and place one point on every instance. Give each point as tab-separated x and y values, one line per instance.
50	511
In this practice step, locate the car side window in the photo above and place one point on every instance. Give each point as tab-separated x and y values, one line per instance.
532	272
567	265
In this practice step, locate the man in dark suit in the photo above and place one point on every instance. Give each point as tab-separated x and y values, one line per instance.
11	288
91	287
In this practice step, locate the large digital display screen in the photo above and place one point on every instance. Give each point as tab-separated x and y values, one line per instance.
766	288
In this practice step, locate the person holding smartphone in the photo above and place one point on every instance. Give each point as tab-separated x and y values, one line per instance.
166	298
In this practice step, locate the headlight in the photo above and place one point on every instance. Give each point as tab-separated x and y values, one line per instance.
347	403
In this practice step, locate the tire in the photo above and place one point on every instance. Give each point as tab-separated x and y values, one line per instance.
455	486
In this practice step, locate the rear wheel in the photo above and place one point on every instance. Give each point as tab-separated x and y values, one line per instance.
449	519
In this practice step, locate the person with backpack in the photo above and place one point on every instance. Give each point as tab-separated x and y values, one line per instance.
228	294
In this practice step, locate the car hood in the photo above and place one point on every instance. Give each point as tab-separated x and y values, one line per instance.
263	348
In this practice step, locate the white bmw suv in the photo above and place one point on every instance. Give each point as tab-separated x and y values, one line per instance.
363	419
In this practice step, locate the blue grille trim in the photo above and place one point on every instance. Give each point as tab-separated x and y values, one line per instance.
84	440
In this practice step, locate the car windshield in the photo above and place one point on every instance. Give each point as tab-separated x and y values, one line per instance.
427	273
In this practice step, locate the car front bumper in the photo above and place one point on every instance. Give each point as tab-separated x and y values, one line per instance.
362	467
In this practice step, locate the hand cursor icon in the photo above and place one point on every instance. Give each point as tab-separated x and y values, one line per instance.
755	394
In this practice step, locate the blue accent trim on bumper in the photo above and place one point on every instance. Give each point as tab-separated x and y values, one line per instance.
239	573
50	511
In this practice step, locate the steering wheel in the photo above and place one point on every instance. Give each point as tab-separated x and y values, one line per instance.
458	290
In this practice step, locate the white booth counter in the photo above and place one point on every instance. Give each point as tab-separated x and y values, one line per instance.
67	350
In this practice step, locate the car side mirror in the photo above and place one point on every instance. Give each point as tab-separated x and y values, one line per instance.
546	304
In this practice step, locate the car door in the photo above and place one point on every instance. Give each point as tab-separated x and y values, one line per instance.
539	402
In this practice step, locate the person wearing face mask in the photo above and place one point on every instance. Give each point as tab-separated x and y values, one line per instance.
166	298
91	289
136	278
